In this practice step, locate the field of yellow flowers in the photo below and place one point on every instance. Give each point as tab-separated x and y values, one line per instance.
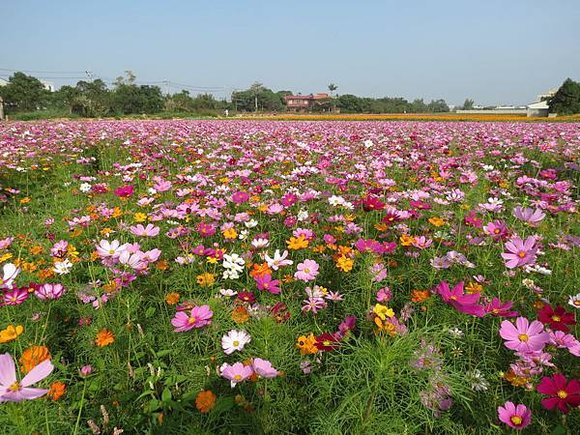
256	276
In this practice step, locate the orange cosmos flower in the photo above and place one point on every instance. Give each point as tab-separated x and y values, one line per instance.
420	295
172	298
33	356
205	401
104	338
57	390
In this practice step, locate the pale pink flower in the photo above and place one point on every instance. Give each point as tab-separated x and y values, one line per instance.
13	391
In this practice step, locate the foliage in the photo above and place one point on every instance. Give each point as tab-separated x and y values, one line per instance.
566	101
23	93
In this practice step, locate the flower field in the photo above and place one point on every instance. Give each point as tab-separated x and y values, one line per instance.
289	277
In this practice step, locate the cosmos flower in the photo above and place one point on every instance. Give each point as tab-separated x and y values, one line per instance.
524	336
520	252
199	317
562	394
515	416
307	270
12	390
236	372
235	340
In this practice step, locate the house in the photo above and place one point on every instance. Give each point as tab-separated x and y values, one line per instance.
540	108
303	103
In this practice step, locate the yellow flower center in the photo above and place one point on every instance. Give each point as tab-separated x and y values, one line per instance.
192	320
496	231
521	254
237	377
15	387
556	318
111	251
562	394
516	420
523	337
236	343
306	270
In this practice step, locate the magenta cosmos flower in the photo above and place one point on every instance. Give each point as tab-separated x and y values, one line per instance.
464	303
265	282
198	318
236	373
562	393
515	416
307	270
13	391
50	291
520	252
523	336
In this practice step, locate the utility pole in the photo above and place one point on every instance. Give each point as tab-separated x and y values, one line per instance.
1	109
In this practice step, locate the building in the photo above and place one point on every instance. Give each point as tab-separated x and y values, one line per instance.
305	103
540	108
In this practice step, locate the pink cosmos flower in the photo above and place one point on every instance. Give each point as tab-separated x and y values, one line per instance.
307	270
15	296
13	391
265	282
531	216
520	252
264	368
149	231
124	191
198	318
500	309
240	197
50	291
517	417
497	230
464	303
524	337
236	373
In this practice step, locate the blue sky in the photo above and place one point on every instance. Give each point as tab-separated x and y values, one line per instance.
496	52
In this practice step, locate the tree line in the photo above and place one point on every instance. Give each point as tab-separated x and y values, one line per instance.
25	93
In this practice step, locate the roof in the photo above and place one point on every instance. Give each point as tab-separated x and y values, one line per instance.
538	105
319	96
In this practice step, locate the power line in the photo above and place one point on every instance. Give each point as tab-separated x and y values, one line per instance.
41	72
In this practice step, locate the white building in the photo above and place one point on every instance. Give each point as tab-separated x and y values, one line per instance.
540	107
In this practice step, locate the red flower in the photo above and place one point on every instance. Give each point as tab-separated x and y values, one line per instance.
557	318
247	297
563	394
370	203
327	342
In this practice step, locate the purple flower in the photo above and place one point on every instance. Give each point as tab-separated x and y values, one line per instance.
517	417
529	215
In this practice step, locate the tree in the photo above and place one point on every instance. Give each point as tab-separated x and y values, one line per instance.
332	87
566	101
438	106
23	93
468	104
180	102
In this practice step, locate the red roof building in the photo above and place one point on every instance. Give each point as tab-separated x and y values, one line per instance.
304	103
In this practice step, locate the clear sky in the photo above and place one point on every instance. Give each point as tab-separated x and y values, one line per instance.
496	52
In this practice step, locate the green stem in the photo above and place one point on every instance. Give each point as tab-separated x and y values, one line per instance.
80	408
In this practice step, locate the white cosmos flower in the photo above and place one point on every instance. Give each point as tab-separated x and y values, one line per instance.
278	261
235	340
62	267
10	272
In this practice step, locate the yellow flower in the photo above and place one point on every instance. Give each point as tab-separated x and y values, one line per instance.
205	279
5	257
296	243
35	250
344	263
437	221
230	234
406	240
139	217
25	200
383	311
11	333
473	287
307	344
